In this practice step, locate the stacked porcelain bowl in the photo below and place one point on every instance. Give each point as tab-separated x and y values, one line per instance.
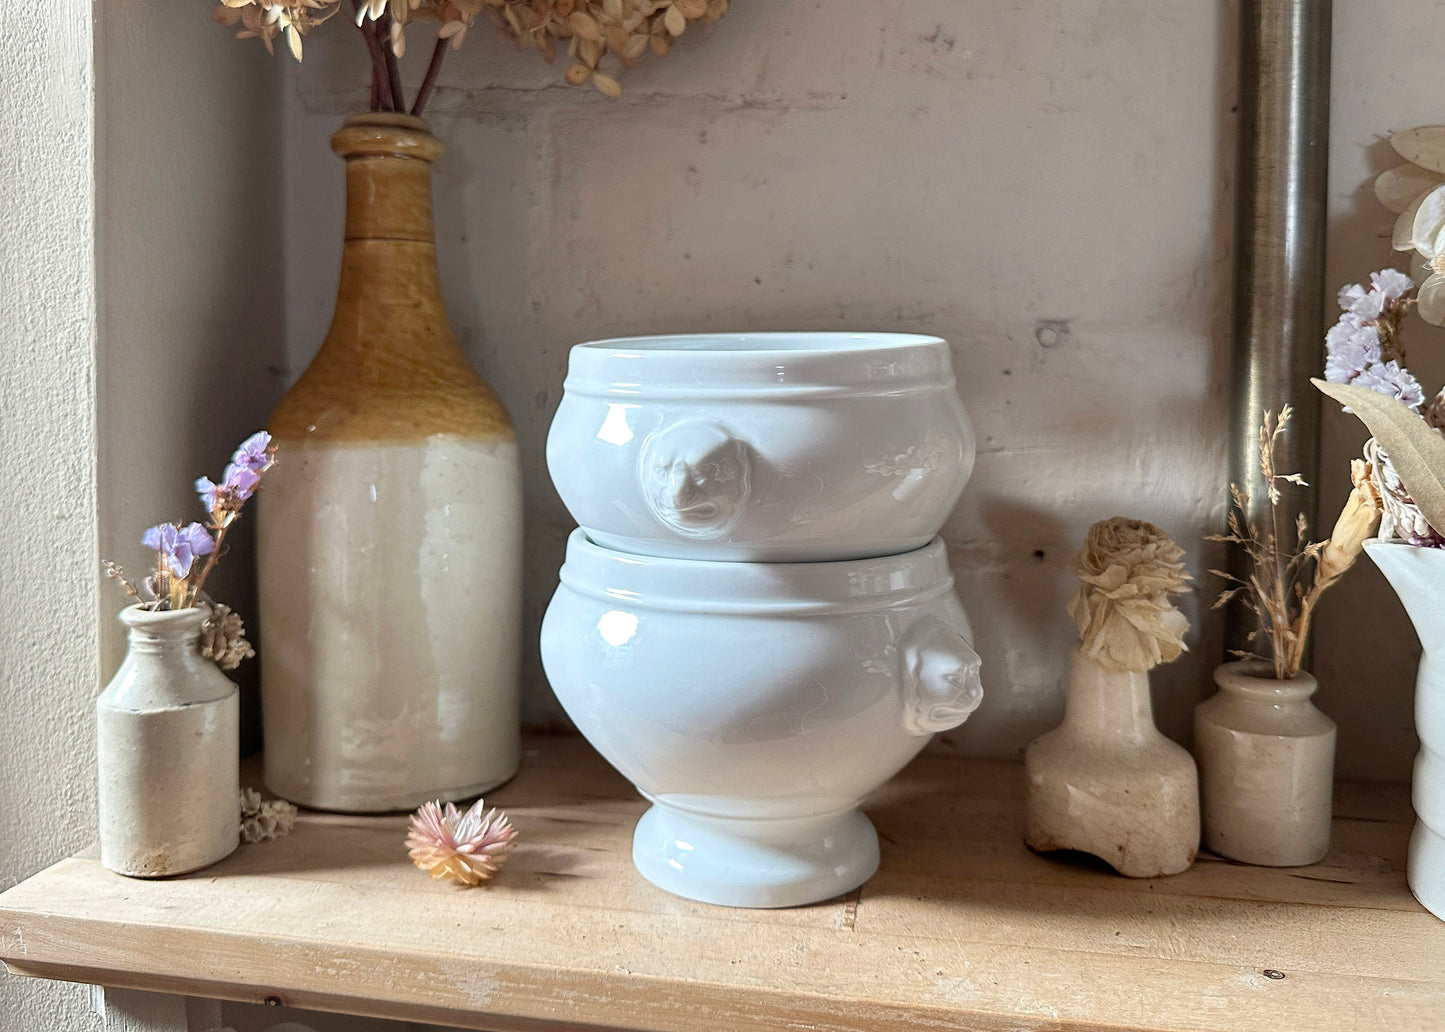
756	622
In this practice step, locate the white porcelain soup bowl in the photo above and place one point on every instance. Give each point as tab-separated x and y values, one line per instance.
763	447
756	704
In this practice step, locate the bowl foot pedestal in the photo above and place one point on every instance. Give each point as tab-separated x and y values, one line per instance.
739	862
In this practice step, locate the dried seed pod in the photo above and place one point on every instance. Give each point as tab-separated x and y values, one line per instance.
607	85
577	74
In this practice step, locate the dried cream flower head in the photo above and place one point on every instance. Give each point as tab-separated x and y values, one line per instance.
1127	570
263	819
1415	192
592	29
466	847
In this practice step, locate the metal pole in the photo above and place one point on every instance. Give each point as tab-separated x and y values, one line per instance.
1283	147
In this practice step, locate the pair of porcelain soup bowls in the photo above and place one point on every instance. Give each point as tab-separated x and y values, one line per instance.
756	623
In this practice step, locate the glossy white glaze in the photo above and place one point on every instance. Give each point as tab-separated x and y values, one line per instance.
400	683
756	704
767	447
1418	577
168	752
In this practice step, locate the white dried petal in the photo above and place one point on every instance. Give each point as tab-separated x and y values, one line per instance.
607	85
674	21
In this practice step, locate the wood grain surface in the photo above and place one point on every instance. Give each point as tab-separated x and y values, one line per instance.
962	928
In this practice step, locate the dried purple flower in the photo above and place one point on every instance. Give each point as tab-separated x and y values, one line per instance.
255	453
1350	346
1394	381
1392	283
179	546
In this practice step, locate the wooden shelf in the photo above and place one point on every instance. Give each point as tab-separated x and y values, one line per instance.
962	927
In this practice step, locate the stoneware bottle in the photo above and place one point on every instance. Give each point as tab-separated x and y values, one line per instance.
390	531
1266	767
1107	782
168	745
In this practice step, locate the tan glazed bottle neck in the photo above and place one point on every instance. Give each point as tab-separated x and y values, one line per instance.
390	368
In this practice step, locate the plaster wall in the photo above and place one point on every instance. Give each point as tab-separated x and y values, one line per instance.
139	341
1045	185
49	666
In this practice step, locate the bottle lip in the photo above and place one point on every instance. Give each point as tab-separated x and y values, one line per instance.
386	133
1255	679
163	622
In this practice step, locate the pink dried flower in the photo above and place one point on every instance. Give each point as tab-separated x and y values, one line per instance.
466	847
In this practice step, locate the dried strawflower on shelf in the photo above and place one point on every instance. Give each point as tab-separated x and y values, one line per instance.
1287	579
592	30
1127	570
466	847
263	819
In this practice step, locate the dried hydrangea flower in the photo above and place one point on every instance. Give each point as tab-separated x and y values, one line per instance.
263	819
594	29
1127	570
466	847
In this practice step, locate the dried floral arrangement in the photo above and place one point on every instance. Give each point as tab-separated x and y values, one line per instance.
1365	367
1287	576
466	847
179	577
1127	571
590	30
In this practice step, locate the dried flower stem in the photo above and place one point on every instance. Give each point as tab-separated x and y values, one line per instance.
380	83
1275	591
433	68
393	71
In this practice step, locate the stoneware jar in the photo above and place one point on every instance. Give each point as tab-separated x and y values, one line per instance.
168	751
1108	783
761	447
1418	577
1266	767
756	704
390	531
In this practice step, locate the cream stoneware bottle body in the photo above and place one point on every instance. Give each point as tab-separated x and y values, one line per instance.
1108	783
1266	767
167	749
390	530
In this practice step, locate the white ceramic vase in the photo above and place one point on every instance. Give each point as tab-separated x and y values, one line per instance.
168	751
756	704
1108	783
1418	577
1266	767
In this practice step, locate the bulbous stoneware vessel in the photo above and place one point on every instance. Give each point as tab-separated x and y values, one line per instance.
761	447
756	704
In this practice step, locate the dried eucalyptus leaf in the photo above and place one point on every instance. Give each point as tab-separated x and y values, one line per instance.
1425	146
1416	449
1397	188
